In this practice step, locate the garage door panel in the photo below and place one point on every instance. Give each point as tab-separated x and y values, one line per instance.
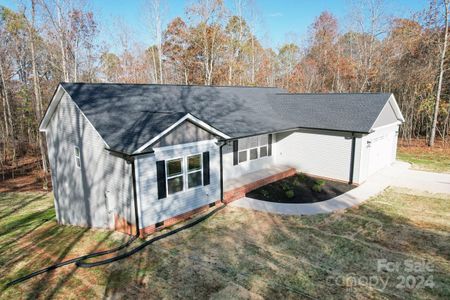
381	149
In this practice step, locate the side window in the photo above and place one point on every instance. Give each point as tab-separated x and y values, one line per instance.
242	156
175	176
252	148
253	153
194	170
77	157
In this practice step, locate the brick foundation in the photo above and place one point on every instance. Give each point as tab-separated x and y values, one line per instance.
237	193
124	226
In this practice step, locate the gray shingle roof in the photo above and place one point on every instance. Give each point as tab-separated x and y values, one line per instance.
129	115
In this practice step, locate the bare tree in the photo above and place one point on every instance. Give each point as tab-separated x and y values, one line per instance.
154	16
208	15
441	75
36	87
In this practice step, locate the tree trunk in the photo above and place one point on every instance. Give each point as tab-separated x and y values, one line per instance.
37	90
61	42
9	128
441	76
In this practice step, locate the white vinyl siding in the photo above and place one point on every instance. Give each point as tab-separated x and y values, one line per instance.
326	154
92	194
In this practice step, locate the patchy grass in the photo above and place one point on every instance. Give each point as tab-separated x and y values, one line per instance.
238	253
422	157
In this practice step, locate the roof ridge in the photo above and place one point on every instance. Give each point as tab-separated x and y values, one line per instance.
176	84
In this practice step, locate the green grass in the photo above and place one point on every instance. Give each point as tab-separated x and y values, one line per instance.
237	253
434	161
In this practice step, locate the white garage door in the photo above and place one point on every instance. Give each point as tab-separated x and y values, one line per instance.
381	151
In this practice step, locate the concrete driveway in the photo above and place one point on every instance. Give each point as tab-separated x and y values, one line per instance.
398	175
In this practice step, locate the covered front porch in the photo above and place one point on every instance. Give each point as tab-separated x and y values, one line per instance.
237	188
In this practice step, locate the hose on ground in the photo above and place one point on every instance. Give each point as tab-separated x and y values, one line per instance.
83	264
79	261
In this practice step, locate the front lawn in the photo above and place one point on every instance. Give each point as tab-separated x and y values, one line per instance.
240	253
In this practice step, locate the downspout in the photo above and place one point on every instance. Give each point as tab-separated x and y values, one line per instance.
136	211
352	158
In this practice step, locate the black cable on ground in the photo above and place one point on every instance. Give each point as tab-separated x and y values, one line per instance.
79	260
83	264
71	261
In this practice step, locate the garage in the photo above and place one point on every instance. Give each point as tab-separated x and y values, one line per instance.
382	150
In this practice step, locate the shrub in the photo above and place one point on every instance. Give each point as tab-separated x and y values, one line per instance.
297	182
318	184
302	177
290	194
285	186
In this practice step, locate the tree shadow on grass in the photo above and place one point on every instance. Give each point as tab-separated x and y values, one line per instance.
282	256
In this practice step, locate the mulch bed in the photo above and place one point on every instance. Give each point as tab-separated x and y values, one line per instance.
300	188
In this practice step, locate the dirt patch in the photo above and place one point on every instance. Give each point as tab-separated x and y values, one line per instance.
33	181
300	188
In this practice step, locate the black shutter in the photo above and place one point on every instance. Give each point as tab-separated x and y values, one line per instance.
270	145
205	168
161	178
235	152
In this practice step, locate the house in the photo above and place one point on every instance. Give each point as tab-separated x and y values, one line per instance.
122	154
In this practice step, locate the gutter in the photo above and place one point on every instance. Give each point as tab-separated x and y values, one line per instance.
352	158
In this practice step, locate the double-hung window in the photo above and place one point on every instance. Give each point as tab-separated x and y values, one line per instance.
194	170
175	175
184	173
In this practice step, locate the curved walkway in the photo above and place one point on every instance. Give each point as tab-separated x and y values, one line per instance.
398	175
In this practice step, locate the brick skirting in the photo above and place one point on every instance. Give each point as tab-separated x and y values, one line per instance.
237	193
122	225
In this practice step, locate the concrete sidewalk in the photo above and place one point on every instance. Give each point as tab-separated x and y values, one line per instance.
398	175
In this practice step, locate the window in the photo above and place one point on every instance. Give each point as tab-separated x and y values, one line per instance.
242	156
175	176
263	151
184	173
252	148
77	157
194	171
253	153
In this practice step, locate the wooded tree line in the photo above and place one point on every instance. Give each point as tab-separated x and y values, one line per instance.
48	41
